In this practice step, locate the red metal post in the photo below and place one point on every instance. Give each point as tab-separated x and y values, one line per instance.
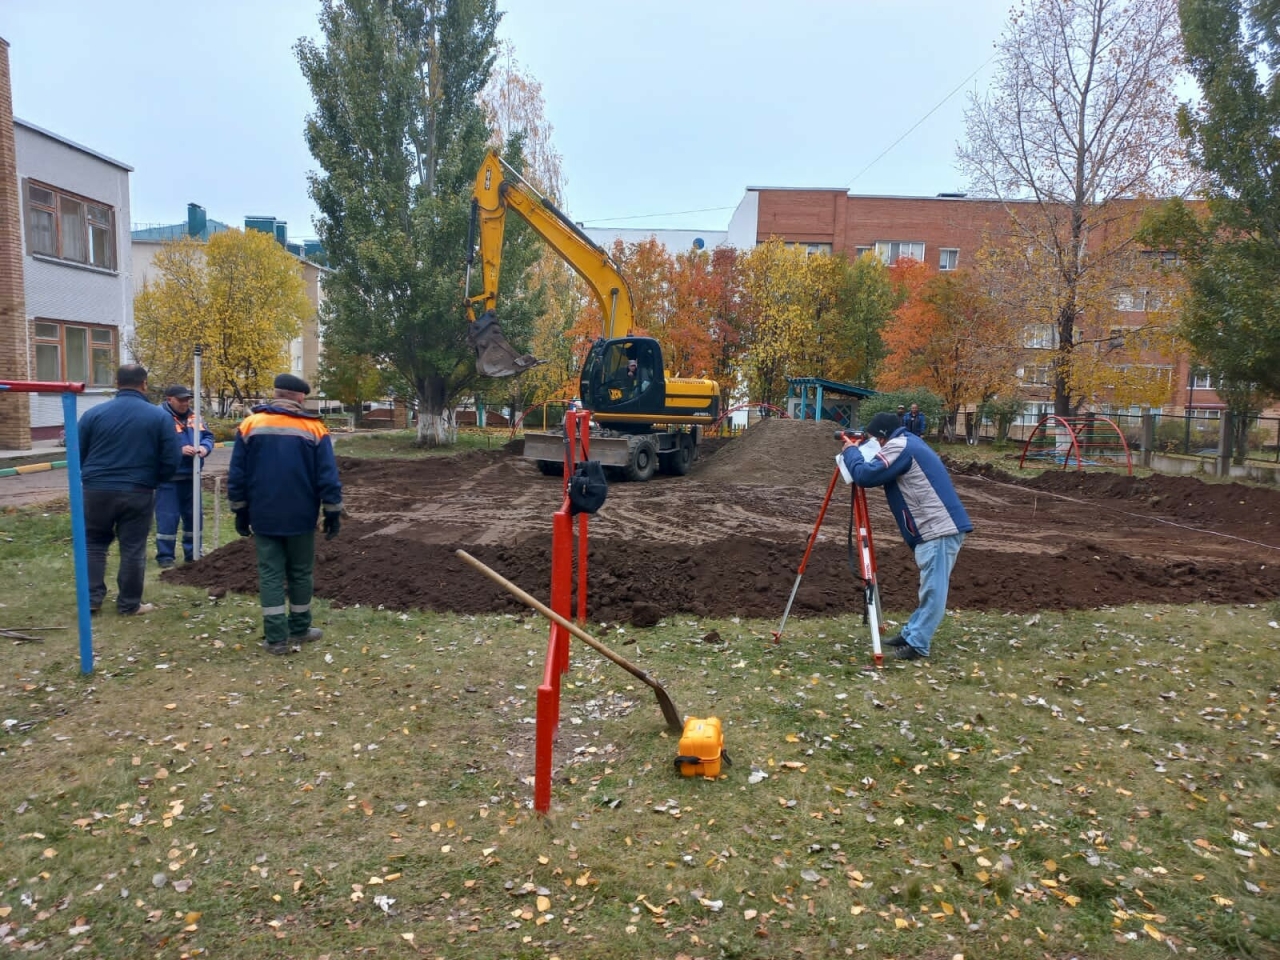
557	660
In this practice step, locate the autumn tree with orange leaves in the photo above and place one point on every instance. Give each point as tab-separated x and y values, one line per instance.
689	301
949	337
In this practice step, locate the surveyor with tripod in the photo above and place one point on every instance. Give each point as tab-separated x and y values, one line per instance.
930	517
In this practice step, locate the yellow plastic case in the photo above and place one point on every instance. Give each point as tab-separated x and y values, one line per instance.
702	748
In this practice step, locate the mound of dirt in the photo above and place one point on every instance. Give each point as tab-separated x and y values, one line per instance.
728	539
737	576
1183	498
776	452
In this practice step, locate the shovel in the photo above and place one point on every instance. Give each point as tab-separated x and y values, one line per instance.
669	711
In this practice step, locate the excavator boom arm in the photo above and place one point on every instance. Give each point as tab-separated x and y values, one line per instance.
497	190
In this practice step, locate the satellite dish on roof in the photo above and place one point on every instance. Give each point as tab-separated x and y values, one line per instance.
699	243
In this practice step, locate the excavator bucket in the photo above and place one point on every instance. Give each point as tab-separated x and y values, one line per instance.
495	357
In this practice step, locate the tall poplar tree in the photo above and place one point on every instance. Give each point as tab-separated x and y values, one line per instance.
399	133
1232	314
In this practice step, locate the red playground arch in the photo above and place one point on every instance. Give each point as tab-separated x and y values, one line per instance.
1088	439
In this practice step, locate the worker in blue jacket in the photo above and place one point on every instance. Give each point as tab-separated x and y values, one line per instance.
283	472
176	499
930	517
127	450
915	420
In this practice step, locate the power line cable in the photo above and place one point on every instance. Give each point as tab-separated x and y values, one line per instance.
648	216
881	156
936	106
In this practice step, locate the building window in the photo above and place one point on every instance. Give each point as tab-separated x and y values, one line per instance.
890	250
75	353
1140	301
948	258
1033	413
860	252
811	248
1204	381
1037	374
69	227
1040	336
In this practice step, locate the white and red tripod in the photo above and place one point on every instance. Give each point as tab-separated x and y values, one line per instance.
862	560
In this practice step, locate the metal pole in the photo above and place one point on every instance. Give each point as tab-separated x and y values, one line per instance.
217	512
79	545
197	514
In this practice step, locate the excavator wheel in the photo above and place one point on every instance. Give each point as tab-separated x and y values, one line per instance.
680	460
644	462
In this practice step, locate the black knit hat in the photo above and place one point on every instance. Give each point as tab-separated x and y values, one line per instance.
287	381
883	424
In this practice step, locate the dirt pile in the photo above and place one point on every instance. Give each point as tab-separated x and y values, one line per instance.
727	539
776	452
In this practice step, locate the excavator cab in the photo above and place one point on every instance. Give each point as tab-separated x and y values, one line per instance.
624	375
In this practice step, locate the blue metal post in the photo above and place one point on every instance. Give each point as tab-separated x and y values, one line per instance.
817	410
80	549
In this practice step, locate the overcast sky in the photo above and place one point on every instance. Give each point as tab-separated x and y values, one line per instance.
658	107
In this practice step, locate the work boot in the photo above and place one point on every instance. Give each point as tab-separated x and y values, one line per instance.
279	649
907	652
895	642
312	635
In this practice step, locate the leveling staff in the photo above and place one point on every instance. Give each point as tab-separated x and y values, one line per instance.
929	514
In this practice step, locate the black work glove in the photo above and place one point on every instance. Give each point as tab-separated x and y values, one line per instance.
332	522
242	522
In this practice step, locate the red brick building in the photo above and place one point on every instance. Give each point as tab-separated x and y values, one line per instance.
945	231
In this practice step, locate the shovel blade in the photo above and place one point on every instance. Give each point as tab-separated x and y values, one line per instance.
495	357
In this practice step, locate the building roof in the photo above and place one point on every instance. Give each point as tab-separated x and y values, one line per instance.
164	232
18	122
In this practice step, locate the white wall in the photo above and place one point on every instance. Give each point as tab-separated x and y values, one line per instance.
744	223
676	241
56	290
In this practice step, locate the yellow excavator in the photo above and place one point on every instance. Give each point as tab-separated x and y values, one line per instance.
643	418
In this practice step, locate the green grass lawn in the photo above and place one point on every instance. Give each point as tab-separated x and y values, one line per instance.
1097	784
402	444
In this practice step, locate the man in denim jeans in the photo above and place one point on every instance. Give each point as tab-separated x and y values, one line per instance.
930	517
127	449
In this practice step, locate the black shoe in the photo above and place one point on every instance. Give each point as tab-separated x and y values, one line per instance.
164	564
895	642
312	635
907	652
279	649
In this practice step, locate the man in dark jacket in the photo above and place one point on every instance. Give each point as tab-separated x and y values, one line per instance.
282	472
175	500
127	449
915	421
930	517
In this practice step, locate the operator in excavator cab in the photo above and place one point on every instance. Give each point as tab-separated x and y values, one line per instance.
638	377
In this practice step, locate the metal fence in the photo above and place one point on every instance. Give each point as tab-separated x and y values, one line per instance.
1256	437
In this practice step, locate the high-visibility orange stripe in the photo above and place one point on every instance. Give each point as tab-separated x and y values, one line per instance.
279	421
